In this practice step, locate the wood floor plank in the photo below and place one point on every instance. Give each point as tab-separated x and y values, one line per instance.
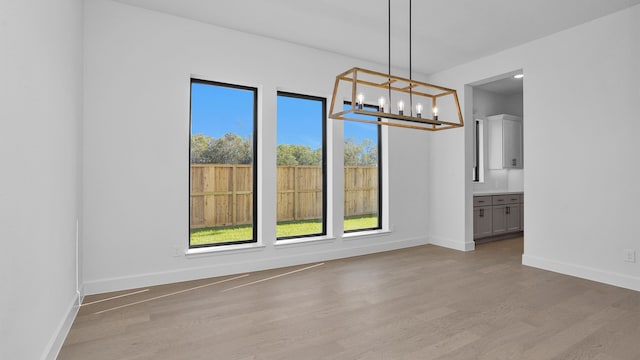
425	302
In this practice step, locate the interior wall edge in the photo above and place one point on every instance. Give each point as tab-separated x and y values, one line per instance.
452	244
57	339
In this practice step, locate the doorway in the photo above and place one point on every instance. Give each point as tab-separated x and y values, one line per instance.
495	157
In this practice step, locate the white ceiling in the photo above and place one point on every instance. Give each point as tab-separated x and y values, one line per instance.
445	32
505	86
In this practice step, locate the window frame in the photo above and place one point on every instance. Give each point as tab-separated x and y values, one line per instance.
478	151
254	164
323	101
380	180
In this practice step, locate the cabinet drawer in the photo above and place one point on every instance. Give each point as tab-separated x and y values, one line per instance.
506	199
499	199
513	199
481	201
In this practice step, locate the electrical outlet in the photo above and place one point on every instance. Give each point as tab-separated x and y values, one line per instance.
629	255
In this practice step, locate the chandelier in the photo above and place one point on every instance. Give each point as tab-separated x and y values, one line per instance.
397	101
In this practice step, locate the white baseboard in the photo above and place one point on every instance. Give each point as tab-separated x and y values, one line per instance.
57	340
450	244
584	272
186	274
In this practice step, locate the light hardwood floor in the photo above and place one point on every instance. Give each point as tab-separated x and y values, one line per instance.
425	302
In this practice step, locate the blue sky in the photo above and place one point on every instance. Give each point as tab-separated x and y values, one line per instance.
217	110
299	121
357	130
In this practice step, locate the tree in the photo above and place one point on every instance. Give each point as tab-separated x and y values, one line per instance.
291	154
369	153
285	155
351	152
364	153
228	149
200	145
233	149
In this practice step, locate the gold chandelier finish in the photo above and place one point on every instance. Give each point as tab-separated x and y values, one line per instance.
352	85
357	80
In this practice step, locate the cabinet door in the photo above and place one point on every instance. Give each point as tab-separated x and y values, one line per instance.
494	143
482	223
512	144
499	220
512	213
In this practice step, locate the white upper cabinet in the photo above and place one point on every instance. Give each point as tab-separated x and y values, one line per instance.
505	141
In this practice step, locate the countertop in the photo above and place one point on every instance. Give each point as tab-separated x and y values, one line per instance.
487	193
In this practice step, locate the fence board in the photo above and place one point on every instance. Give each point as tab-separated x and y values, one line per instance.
361	190
222	194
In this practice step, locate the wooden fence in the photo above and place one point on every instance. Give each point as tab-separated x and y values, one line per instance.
360	190
222	195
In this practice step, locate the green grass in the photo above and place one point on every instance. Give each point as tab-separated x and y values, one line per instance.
298	228
360	222
220	234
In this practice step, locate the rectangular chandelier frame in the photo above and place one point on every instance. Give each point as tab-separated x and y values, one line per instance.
359	80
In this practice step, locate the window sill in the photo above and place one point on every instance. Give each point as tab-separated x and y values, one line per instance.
223	249
303	240
364	234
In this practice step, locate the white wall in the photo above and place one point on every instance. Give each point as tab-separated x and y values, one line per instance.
486	103
40	112
580	143
514	104
138	66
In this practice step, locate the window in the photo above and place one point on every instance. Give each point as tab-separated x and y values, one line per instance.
478	151
301	161
362	175
223	159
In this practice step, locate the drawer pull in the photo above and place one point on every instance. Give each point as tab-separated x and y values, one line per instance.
481	212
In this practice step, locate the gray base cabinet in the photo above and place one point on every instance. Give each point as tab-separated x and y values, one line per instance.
499	220
495	215
482	221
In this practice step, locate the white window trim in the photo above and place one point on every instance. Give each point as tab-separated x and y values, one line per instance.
209	250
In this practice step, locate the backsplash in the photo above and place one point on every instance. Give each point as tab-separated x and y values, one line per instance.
510	180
